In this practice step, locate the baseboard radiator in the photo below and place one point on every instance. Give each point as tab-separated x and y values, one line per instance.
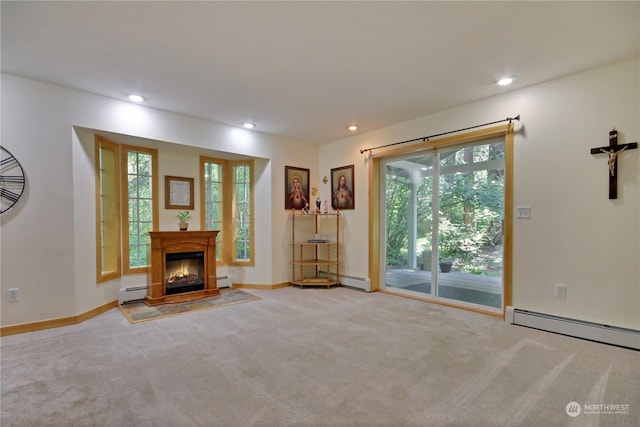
591	331
132	293
136	293
350	281
224	281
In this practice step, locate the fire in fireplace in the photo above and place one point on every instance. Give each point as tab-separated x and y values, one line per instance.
184	272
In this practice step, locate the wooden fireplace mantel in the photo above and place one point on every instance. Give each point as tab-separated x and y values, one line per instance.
164	242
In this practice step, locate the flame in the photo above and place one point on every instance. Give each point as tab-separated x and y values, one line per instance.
179	273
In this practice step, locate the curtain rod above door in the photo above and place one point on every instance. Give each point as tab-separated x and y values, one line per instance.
427	138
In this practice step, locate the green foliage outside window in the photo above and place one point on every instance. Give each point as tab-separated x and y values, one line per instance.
230	213
470	211
140	206
242	190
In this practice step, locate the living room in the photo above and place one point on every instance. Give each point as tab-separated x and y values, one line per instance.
575	236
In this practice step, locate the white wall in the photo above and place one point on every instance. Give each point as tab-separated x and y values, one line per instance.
48	238
576	235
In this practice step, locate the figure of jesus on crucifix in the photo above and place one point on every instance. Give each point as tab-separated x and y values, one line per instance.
613	149
613	155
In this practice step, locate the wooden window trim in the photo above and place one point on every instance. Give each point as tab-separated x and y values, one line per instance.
503	131
227	245
223	244
99	144
125	199
232	260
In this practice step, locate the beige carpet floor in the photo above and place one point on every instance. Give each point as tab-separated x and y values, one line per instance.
314	357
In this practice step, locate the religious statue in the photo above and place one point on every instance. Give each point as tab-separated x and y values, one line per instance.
613	156
318	202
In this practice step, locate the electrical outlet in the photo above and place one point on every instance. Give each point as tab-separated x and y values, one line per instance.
13	294
523	212
561	290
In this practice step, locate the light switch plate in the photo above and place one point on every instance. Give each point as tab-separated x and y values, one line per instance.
523	212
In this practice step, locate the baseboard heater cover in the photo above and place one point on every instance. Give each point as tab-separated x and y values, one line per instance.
622	337
224	281
136	293
132	293
363	283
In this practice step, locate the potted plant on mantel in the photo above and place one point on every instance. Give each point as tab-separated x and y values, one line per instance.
183	220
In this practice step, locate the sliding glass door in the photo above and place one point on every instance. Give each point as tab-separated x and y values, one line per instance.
443	223
408	213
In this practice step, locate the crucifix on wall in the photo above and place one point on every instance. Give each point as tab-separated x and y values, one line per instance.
613	149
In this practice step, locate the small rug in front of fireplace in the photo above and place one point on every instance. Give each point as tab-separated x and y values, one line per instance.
138	311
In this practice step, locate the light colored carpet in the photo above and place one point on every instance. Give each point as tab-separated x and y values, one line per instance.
314	357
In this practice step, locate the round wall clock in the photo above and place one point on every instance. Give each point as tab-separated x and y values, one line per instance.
11	180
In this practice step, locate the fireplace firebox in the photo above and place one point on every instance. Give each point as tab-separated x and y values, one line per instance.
184	272
183	266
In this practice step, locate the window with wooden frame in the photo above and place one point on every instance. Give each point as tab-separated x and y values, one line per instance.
227	205
108	264
377	259
126	207
139	204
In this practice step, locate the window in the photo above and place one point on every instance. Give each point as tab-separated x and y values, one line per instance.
242	218
126	207
212	192
227	205
140	202
464	183
107	210
444	212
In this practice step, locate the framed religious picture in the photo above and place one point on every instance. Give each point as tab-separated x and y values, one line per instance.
296	188
178	192
342	188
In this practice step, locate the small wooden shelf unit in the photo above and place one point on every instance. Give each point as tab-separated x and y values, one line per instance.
308	257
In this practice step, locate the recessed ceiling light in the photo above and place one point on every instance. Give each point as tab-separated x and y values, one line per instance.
136	98
249	125
504	81
352	128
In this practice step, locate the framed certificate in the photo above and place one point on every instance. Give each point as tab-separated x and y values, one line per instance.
178	192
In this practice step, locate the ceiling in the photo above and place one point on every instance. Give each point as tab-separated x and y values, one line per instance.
306	70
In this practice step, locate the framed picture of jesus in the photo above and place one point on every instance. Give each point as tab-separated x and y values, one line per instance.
343	188
296	188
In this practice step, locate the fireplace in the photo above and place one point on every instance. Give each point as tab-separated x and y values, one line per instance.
183	266
184	272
